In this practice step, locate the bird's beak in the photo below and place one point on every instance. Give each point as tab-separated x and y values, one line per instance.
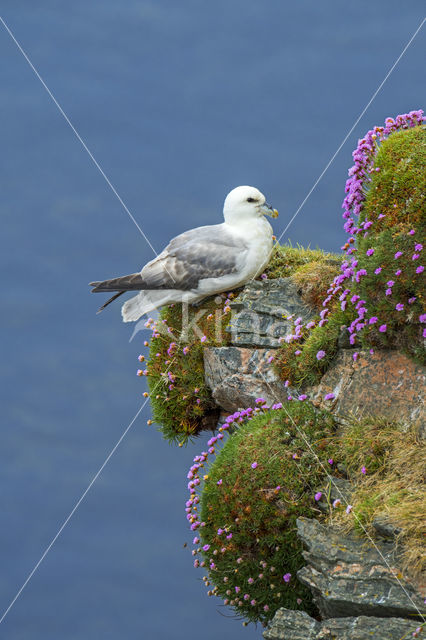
267	210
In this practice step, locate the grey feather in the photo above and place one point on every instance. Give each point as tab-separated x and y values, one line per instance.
205	252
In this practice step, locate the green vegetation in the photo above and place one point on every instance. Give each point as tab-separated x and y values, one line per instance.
264	477
388	272
180	399
398	191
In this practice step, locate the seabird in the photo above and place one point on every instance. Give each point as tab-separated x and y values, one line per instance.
204	261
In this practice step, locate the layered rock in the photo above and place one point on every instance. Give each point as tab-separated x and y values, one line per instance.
358	589
297	625
349	575
264	312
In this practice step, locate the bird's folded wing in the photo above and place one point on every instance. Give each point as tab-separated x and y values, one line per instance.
205	252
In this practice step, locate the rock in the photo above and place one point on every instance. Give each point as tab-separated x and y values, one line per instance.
238	376
386	383
297	625
292	625
385	529
349	576
261	312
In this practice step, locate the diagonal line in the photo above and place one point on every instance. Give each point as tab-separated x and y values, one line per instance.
353	126
80	500
331	480
74	509
80	139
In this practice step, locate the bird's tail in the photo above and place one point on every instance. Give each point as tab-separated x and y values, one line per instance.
145	302
132	282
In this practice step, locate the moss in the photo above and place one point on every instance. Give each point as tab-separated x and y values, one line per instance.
181	401
313	280
398	191
286	260
398	186
259	507
392	488
304	369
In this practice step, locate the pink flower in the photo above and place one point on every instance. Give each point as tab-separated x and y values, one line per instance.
204	338
369	252
320	355
378	270
420	269
363	470
399	306
329	396
253	465
397	255
287	577
317	496
349	508
383	328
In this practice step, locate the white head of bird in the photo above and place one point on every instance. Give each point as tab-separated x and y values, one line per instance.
246	203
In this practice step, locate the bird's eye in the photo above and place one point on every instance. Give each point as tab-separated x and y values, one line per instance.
251	200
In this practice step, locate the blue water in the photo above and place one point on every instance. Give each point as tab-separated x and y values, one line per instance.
179	102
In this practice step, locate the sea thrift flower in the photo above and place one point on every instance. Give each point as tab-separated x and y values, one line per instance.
302	397
378	270
418	247
317	496
349	508
415	256
287	577
383	328
329	396
253	465
336	503
185	350
203	338
330	461
355	356
320	355
420	269
369	252
372	320
363	470
399	306
397	255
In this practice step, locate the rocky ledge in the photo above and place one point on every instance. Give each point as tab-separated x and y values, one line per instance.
358	589
385	383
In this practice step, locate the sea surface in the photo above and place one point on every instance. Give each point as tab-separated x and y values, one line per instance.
178	102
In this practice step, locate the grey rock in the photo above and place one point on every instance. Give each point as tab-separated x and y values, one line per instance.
295	625
349	576
292	625
385	528
261	312
238	376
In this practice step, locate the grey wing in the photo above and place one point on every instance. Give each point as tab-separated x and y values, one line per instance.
205	252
